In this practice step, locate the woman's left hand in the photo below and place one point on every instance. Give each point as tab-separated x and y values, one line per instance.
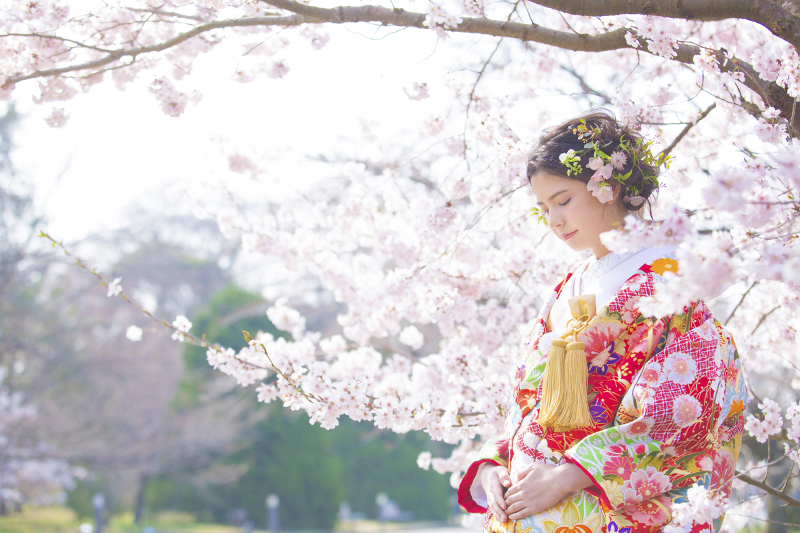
541	486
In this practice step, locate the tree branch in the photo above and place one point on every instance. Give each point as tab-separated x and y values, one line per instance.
770	490
773	94
683	133
588	89
772	15
112	56
730	316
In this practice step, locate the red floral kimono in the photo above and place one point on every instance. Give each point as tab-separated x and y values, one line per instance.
666	398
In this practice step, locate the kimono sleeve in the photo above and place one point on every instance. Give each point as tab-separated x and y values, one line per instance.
685	398
471	495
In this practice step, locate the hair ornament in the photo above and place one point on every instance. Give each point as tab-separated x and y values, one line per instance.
609	167
635	201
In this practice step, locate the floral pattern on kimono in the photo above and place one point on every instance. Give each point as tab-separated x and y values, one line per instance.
666	398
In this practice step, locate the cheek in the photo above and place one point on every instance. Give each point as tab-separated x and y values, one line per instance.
582	211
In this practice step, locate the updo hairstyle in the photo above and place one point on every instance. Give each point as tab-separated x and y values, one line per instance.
556	140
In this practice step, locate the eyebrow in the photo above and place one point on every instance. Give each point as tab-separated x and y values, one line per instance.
552	196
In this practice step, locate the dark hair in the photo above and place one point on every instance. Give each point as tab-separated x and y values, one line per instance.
557	140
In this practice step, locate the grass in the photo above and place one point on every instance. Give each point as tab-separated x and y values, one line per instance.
63	520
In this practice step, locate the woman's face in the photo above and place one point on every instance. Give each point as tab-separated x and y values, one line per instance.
573	214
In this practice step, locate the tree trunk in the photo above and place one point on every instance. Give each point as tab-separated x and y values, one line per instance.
144	479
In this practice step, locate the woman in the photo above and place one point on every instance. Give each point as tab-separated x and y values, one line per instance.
616	414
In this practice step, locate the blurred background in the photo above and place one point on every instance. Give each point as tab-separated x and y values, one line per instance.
140	435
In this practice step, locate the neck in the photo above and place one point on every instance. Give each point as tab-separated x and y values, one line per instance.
600	251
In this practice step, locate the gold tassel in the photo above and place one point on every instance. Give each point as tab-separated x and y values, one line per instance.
575	412
565	404
553	383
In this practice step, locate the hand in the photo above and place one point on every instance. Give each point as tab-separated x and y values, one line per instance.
541	486
494	480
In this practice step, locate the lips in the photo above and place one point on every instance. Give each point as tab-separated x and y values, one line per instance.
568	236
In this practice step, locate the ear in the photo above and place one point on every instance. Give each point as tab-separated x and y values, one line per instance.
616	188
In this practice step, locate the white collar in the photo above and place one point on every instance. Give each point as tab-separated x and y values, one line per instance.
590	276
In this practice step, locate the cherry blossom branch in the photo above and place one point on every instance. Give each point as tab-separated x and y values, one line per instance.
115	55
686	129
588	89
730	316
78	44
166	13
613	40
295	385
768	489
197	341
763	318
767	520
775	95
772	15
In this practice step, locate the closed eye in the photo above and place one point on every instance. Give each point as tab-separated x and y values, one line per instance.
565	202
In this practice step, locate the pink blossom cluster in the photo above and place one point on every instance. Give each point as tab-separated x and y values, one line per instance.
702	507
770	424
182	325
440	19
661	38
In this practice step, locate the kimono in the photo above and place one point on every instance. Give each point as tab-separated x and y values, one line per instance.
666	398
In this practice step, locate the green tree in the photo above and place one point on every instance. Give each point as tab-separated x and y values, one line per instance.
376	461
312	470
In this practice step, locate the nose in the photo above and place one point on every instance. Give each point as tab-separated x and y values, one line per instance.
555	220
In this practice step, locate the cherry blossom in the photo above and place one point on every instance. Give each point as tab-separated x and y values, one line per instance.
133	333
419	91
703	506
114	288
771	424
411	336
424	460
182	325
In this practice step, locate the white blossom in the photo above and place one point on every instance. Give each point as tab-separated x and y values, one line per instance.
133	333
114	288
182	325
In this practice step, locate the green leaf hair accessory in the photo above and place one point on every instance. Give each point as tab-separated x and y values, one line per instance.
572	162
609	167
541	218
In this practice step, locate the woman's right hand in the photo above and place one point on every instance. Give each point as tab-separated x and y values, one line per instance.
494	480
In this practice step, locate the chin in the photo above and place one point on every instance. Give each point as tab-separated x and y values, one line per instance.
577	246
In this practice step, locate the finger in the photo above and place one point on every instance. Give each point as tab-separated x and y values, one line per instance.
514	498
504	477
519	515
516	507
496	492
497	511
499	514
525	470
515	488
496	496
